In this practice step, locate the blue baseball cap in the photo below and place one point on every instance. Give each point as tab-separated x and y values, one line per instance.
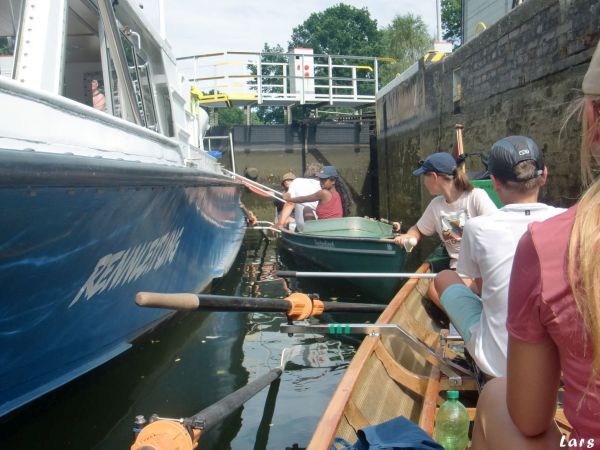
440	162
328	172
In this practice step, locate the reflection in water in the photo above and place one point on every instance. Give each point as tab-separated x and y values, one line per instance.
192	361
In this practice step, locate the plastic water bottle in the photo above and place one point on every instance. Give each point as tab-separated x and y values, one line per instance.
409	244
452	424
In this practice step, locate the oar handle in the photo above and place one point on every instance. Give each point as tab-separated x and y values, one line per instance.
206	302
180	302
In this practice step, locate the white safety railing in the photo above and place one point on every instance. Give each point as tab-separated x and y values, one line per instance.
242	78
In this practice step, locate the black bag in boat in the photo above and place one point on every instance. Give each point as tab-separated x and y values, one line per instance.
396	434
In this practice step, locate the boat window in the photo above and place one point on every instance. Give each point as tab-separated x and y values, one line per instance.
10	18
83	78
147	97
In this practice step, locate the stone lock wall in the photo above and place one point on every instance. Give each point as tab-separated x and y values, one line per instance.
518	77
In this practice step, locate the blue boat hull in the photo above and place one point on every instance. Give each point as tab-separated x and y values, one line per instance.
79	237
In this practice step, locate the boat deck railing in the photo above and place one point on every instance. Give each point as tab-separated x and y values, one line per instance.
282	79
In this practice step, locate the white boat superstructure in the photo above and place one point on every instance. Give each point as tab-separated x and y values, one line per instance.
105	72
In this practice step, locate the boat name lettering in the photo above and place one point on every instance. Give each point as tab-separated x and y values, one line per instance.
126	266
325	244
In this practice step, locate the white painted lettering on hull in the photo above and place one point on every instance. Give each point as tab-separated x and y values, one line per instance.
116	269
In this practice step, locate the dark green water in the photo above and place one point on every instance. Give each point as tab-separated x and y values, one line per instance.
192	361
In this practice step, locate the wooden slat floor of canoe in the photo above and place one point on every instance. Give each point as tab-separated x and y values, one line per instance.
386	378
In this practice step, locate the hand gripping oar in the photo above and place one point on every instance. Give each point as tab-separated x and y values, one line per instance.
296	306
164	433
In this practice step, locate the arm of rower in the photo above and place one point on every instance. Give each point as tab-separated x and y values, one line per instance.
288	207
476	285
317	196
412	232
533	381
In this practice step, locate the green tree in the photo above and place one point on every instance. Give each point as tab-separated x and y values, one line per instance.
229	117
406	39
452	21
339	30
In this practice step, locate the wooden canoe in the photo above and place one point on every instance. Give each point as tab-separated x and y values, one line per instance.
387	378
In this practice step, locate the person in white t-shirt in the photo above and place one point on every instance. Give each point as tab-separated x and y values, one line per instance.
457	201
299	188
487	250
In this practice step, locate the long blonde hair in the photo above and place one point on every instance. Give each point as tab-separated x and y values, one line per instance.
583	265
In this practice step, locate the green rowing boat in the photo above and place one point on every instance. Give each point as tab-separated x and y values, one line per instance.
350	244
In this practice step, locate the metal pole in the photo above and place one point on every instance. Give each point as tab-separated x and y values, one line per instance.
231	149
293	274
438	17
161	19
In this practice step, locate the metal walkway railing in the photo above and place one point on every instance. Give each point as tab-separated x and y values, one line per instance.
281	79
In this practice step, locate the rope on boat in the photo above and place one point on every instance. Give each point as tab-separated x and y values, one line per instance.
257	188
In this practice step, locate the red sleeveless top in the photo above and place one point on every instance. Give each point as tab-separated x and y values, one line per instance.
332	209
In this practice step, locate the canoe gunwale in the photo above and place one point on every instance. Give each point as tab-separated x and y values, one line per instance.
334	413
343	250
386	240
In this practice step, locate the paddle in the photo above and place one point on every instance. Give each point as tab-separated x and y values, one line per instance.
459	143
294	274
296	306
166	433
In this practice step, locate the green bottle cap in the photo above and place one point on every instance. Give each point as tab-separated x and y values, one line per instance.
452	395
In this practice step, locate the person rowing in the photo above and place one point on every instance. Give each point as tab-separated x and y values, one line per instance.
299	187
456	201
333	199
517	171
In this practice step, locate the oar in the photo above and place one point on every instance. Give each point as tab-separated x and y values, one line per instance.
294	274
296	306
261	188
264	225
161	431
459	143
262	433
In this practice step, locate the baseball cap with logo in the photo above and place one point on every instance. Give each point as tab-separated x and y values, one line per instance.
510	151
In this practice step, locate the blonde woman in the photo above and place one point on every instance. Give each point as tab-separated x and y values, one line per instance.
553	321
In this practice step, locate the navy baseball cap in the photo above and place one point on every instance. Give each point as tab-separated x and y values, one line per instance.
328	172
440	162
510	151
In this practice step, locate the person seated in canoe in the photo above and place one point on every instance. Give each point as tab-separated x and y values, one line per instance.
333	198
456	201
553	320
286	180
488	244
307	185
